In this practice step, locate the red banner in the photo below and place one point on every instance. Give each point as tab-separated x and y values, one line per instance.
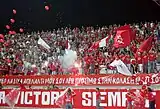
84	99
72	80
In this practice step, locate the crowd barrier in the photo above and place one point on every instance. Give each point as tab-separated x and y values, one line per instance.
84	99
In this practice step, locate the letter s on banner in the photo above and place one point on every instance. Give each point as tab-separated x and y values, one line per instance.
85	99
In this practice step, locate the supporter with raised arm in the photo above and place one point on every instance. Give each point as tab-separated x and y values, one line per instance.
68	98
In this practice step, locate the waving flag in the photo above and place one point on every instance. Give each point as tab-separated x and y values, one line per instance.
121	67
12	97
68	46
146	45
126	27
132	33
61	101
43	43
102	43
122	39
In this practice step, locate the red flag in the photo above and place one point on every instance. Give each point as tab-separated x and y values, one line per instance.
122	39
132	32
11	97
68	46
133	35
146	45
61	99
126	27
95	45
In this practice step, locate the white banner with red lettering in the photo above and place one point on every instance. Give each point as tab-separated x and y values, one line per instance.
84	99
82	80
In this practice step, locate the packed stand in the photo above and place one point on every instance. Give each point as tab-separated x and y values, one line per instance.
22	55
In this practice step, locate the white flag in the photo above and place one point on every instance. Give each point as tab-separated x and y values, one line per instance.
43	43
121	67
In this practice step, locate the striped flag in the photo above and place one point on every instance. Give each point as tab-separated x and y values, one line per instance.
43	43
61	99
12	97
102	43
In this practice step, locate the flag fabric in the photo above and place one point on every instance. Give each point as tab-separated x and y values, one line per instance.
122	39
126	27
12	97
68	46
43	43
133	35
132	32
146	45
102	43
121	67
61	99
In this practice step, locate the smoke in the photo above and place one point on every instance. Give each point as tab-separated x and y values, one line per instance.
68	59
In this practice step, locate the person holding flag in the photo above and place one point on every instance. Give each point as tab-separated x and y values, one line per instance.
68	98
65	99
151	98
130	96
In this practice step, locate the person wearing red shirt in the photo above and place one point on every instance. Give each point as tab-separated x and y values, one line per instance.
130	95
52	67
139	100
145	62
68	98
21	86
98	99
151	98
138	58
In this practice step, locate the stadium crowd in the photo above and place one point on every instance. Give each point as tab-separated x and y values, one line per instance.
22	55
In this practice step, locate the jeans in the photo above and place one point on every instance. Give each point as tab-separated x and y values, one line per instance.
69	106
92	69
152	105
98	104
151	67
129	105
145	68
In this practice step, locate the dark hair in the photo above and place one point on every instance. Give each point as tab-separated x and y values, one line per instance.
97	89
149	89
69	90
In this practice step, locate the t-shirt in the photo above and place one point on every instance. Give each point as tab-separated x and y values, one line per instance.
150	96
138	59
97	95
145	59
129	96
152	57
69	98
22	87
